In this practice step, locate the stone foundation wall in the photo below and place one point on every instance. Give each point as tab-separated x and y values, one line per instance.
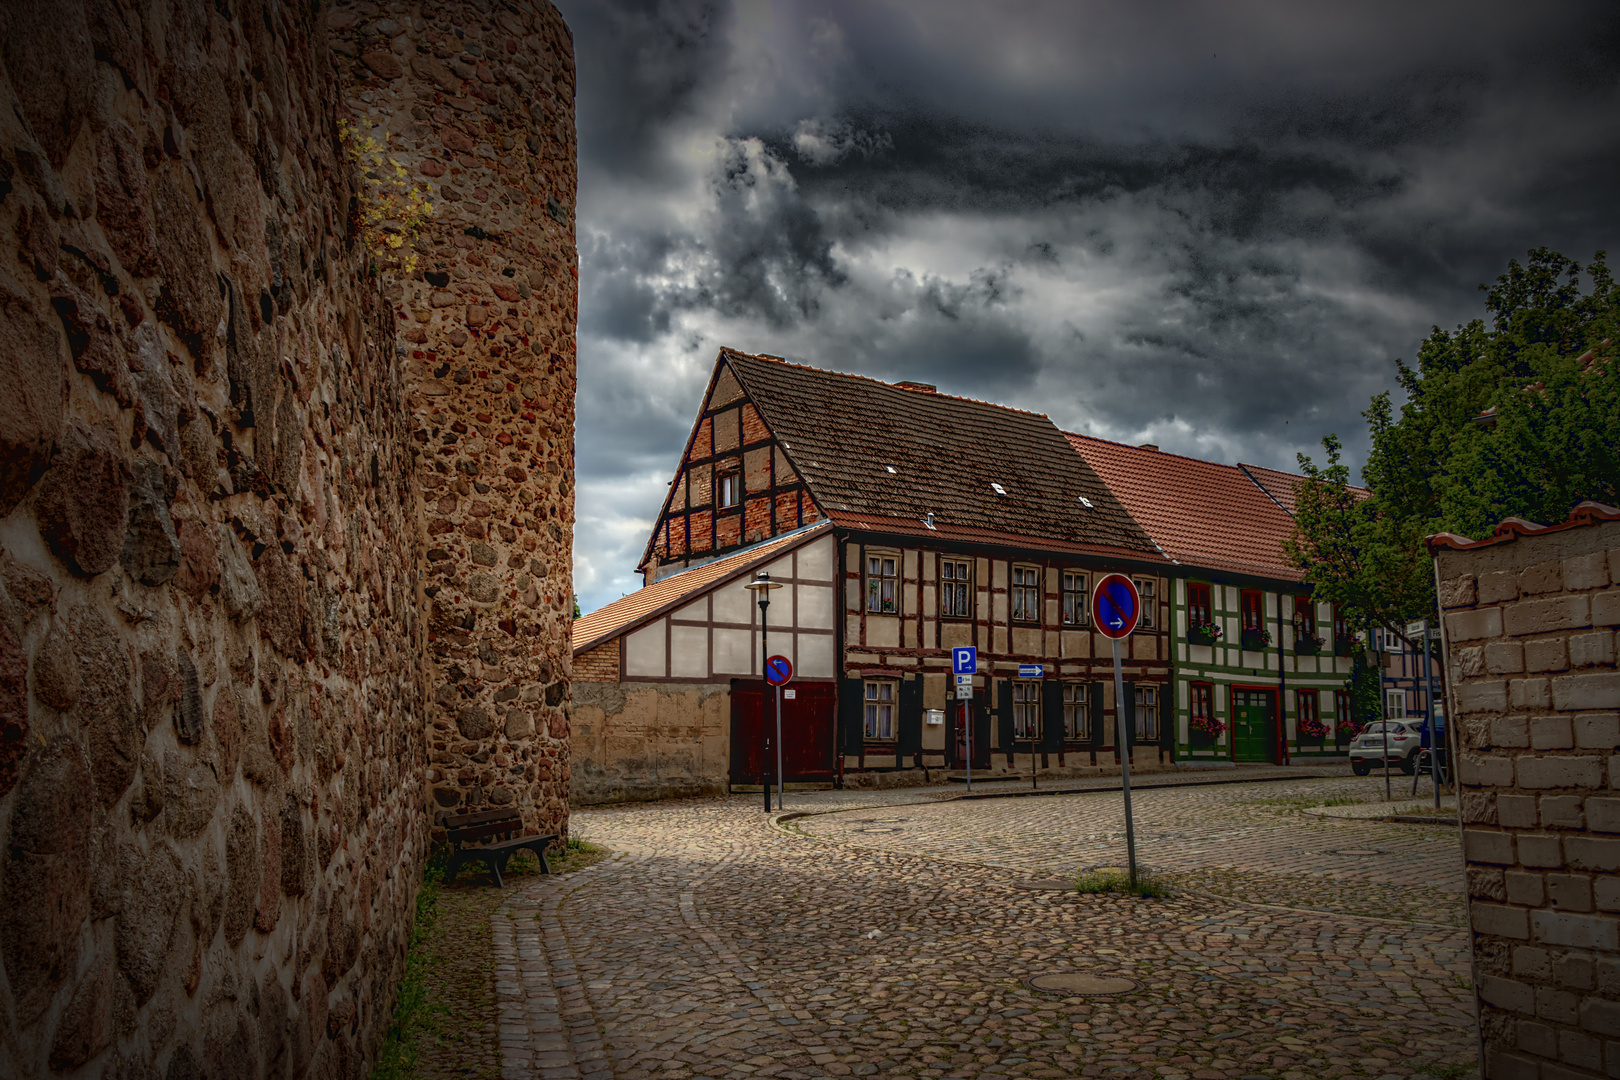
218	699
1530	628
475	101
649	741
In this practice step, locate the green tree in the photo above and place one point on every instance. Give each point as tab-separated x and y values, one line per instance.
1518	418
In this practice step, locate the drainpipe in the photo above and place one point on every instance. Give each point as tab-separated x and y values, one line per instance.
1282	689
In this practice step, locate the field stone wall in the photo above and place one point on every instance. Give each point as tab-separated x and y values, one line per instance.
475	101
222	674
1530	625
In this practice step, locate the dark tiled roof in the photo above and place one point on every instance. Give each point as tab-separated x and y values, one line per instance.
842	432
1202	514
628	612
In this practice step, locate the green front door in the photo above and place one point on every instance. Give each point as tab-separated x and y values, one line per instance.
1253	726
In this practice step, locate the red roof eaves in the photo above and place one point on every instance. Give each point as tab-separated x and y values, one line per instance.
973	534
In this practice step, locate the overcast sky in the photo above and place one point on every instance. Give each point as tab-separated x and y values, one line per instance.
1209	226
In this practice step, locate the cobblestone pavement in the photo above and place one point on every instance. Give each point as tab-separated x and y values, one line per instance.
719	943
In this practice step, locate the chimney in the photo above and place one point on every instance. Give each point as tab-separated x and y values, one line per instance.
1148	446
921	387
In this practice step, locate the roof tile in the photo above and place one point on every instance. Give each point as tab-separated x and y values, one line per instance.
843	432
1202	514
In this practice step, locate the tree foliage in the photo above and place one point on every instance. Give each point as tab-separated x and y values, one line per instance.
1444	462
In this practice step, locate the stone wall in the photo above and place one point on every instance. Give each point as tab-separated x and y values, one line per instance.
475	100
218	575
649	741
1530	622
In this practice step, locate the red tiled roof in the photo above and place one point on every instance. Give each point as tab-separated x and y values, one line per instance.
842	432
1282	485
670	592
1202	514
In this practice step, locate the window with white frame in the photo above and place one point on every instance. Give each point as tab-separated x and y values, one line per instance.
1026	594
1394	704
956	588
1147	713
1076	716
881	583
1148	590
1026	709
880	694
1076	610
730	493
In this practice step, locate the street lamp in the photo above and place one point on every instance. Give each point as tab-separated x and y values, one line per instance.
761	586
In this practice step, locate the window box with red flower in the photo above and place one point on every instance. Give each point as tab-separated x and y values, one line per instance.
1204	633
1313	729
1309	644
1256	638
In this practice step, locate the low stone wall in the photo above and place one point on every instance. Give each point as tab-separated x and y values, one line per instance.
1530	623
635	741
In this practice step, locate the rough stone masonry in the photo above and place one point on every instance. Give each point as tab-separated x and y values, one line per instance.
1531	617
285	519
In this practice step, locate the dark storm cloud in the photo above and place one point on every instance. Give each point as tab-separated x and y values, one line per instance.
1213	227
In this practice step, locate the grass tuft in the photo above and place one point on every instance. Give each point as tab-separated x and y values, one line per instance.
396	1058
1113	880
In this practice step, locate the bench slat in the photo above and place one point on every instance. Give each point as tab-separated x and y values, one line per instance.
481	816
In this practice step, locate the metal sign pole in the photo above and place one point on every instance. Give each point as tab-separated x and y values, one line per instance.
967	736
1124	760
1434	732
781	783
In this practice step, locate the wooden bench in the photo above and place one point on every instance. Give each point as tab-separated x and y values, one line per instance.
491	837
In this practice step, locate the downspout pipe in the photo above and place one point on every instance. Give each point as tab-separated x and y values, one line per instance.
1282	690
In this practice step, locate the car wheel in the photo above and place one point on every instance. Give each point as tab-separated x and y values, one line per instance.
1360	768
1409	763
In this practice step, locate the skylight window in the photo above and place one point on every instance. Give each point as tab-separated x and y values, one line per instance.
999	489
1085	502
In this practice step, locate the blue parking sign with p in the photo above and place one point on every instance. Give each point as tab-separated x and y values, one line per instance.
965	660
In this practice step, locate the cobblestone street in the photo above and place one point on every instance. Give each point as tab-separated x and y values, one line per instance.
891	933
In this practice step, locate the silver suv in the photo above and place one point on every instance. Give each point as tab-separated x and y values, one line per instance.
1368	748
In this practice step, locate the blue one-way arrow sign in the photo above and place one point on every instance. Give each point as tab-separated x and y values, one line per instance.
1031	671
965	660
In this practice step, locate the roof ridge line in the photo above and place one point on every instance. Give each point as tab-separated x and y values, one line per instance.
888	385
1161	453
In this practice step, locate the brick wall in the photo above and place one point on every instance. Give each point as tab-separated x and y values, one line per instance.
1530	623
601	664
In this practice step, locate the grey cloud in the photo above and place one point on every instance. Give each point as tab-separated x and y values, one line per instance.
1210	226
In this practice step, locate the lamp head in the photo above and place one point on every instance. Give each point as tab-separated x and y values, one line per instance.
762	586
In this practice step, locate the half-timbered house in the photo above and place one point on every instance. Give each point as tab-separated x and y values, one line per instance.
945	521
1260	665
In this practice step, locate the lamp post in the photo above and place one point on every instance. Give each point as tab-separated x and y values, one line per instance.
761	586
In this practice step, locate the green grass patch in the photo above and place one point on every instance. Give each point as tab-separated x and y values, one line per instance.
396	1058
1111	879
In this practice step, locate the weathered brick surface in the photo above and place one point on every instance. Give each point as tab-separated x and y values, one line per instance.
218	693
1545	880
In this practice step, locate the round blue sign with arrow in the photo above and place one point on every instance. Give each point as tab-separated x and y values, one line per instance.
778	670
1115	606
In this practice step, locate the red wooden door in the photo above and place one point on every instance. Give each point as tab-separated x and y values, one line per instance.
809	721
747	733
